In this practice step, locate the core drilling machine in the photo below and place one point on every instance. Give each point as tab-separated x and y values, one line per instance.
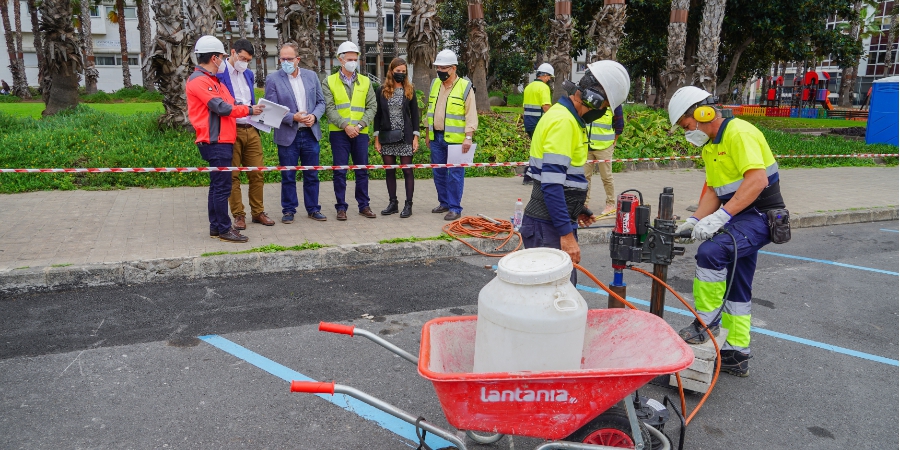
635	240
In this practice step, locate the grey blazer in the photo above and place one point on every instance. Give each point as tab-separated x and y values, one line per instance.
278	90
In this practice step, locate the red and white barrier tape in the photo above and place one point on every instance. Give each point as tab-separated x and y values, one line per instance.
384	166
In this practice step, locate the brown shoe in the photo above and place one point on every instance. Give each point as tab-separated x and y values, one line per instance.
240	223
367	213
233	236
264	219
342	215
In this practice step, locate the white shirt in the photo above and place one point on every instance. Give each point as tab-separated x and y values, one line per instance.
299	93
241	90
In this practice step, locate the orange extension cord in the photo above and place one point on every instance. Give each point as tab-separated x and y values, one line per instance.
482	228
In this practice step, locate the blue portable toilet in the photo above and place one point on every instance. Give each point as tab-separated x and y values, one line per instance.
884	116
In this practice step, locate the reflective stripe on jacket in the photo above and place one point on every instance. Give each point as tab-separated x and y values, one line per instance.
739	146
351	109
537	94
601	132
455	113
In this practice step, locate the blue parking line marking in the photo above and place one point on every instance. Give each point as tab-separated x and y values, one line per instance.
364	410
892	231
787	337
823	261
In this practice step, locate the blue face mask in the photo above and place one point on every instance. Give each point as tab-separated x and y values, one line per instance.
287	67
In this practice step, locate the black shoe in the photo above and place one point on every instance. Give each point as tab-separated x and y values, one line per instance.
735	363
696	334
528	181
317	216
233	236
407	210
440	209
213	233
391	208
452	216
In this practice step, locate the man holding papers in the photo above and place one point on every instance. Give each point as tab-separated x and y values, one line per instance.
248	147
299	134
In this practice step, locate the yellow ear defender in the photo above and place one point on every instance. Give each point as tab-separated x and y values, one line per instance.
704	114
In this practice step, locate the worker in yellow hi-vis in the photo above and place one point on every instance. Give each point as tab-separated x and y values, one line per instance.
536	101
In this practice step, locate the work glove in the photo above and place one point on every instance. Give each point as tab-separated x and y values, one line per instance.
686	226
709	225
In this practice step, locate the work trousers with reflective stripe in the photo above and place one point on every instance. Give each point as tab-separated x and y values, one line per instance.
715	260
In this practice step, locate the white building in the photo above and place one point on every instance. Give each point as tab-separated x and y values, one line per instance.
107	51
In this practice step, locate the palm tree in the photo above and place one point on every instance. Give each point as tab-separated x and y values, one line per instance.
298	25
20	54
240	14
91	74
143	16
379	45
346	5
117	16
361	7
38	44
20	85
279	13
892	38
708	49
607	29
423	35
560	47
397	24
62	57
201	18
331	12
478	55
673	76
170	61
258	10
860	27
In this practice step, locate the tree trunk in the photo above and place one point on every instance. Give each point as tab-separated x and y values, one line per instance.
90	71
201	18
892	38
123	43
732	68
20	54
264	54
379	45
240	15
361	33
848	75
397	25
478	55
708	50
348	18
279	16
607	29
674	74
20	84
298	25
423	35
38	44
330	45
257	42
321	43
146	33
62	58
560	47
170	62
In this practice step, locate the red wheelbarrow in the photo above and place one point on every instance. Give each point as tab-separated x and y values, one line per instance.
623	350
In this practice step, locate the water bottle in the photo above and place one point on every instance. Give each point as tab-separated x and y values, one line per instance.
517	216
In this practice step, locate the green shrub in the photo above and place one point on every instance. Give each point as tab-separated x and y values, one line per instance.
99	97
34	91
132	92
9	99
150	97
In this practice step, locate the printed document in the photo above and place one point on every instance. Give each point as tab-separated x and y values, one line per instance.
455	154
271	115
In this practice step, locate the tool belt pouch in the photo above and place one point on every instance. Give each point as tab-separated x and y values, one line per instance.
779	225
390	136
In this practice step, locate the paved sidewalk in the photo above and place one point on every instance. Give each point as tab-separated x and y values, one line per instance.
82	227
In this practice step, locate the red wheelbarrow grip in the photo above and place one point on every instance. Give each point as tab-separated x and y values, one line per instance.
336	328
312	387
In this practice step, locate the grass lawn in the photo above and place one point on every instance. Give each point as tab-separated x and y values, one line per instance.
778	123
34	109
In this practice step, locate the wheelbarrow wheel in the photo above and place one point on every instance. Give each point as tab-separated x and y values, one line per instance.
611	429
484	438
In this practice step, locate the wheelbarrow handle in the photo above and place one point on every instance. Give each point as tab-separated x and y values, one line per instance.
336	328
312	387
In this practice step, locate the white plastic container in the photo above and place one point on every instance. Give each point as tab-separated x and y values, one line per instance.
530	317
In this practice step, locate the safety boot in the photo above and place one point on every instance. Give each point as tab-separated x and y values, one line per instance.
735	363
696	334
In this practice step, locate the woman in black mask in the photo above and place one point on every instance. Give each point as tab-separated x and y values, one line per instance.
397	131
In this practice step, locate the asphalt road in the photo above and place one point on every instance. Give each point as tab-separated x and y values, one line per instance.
122	367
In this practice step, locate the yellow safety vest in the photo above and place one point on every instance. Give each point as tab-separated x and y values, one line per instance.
559	139
350	109
455	114
601	131
536	95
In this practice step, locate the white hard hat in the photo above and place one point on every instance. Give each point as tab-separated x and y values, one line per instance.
208	44
546	68
446	58
614	79
683	99
347	47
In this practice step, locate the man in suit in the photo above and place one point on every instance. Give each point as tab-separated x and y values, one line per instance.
299	134
248	146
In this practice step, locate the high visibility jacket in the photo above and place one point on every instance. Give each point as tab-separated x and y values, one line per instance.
455	113
738	147
351	109
537	94
601	132
211	108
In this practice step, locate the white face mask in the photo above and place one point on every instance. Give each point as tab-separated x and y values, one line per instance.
696	137
221	68
241	66
351	66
